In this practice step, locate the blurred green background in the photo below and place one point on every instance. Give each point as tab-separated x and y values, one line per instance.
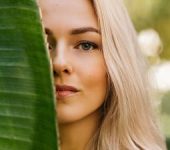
155	15
152	14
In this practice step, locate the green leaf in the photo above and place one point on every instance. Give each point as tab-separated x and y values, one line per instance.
27	99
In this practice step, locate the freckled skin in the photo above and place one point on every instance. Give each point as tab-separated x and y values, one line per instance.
85	68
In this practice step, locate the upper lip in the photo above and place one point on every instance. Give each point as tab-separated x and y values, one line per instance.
66	88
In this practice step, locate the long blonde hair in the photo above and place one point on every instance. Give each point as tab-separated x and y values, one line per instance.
128	122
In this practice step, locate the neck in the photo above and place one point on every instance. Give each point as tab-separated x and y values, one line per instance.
76	135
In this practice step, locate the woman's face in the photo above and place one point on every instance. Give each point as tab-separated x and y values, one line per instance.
75	49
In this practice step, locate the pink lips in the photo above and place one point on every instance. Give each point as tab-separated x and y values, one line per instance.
65	90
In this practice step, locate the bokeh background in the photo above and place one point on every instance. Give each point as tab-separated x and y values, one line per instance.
152	22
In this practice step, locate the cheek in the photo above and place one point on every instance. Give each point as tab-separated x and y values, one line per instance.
93	72
93	77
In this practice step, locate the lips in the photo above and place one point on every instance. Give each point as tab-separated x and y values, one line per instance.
65	90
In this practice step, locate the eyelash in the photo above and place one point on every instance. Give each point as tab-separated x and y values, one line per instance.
94	46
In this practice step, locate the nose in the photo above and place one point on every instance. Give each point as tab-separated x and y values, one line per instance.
61	64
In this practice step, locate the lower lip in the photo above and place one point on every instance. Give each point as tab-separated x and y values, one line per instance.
62	94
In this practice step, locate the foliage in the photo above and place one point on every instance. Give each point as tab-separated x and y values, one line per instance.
27	102
152	14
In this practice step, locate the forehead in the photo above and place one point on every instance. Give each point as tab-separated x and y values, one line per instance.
69	11
62	4
66	6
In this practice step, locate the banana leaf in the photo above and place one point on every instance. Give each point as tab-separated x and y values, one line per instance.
27	97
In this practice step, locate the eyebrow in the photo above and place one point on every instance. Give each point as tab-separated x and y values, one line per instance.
84	30
76	30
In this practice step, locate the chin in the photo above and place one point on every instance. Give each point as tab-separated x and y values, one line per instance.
66	118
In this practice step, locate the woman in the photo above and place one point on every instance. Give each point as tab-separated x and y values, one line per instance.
101	91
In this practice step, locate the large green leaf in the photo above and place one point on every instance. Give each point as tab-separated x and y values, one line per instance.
27	101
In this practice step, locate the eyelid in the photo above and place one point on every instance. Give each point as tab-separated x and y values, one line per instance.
86	41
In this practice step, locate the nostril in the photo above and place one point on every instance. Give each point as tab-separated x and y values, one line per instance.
66	71
55	73
60	68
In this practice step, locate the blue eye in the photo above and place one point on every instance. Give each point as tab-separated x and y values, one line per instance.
86	45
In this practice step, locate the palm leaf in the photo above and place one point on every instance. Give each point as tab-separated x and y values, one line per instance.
27	101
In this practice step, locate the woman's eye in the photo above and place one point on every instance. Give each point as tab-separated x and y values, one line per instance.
85	45
51	42
50	47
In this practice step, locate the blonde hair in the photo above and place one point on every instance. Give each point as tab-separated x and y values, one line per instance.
128	122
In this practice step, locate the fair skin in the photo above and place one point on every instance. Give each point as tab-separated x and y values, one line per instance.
75	50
